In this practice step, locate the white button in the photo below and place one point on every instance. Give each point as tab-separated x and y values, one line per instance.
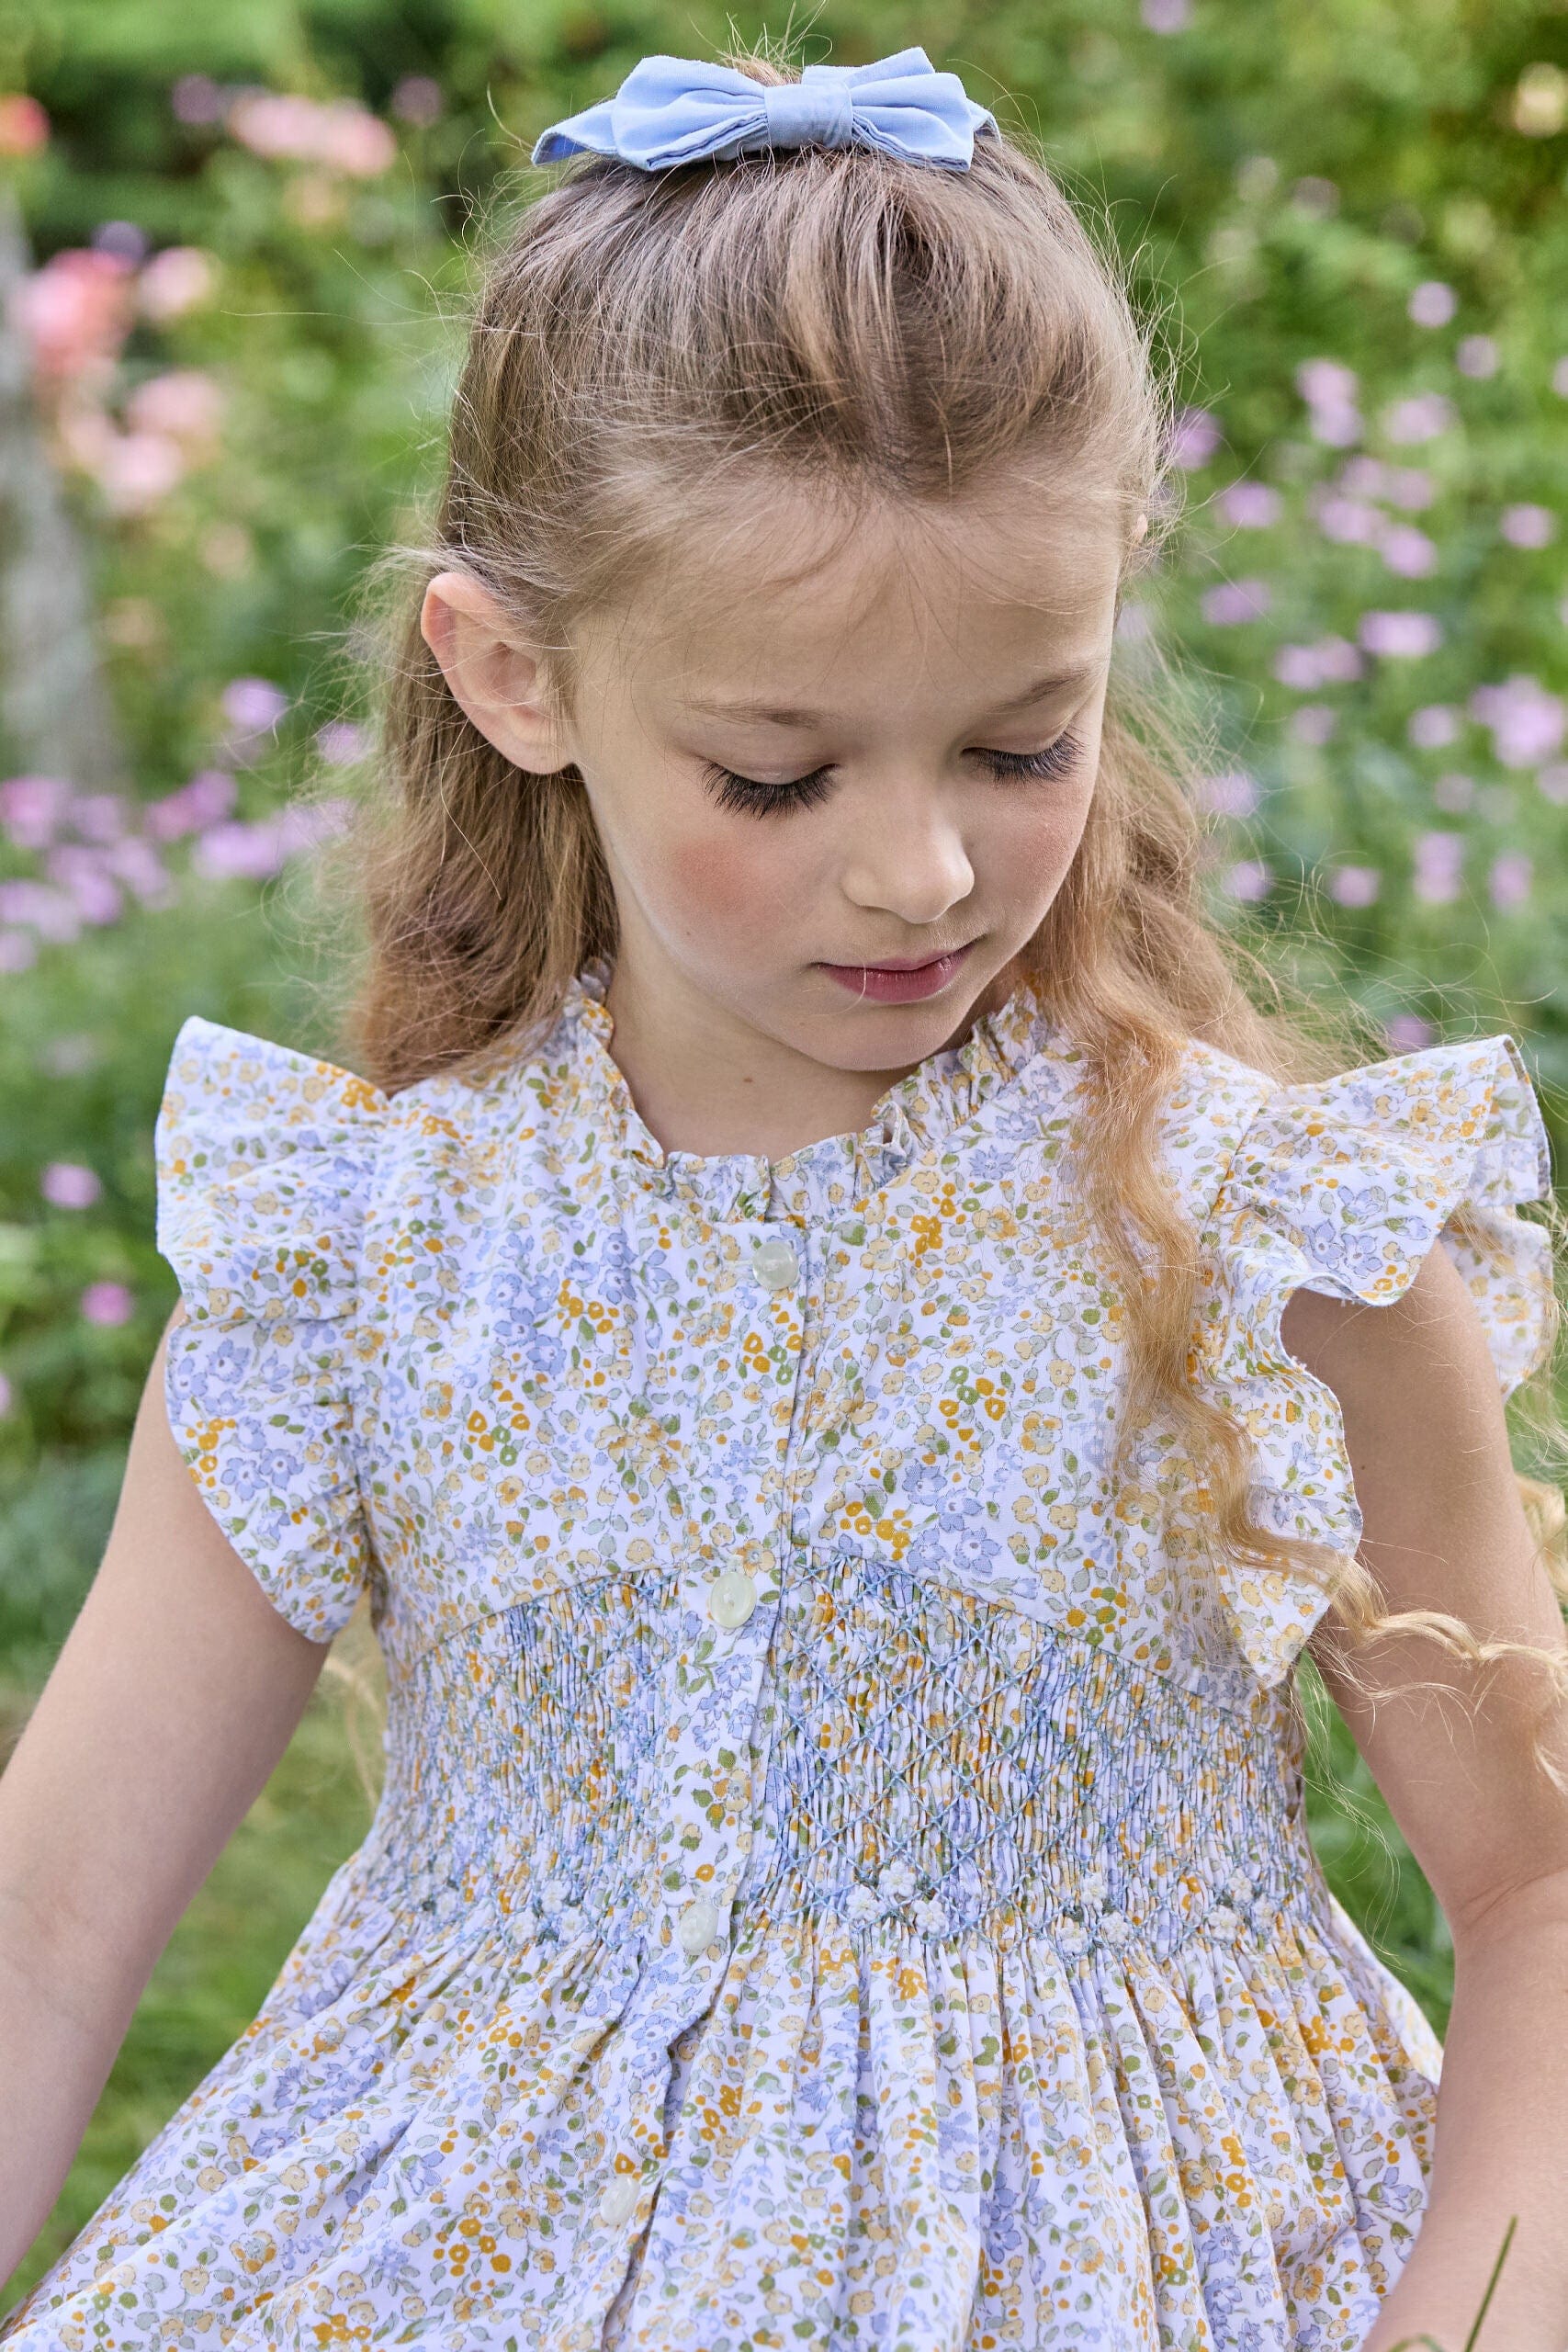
619	2200
732	1597
697	1928
775	1265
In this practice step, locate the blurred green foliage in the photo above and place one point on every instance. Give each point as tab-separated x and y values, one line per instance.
1295	190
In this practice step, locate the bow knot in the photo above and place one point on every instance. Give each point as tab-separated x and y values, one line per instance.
671	110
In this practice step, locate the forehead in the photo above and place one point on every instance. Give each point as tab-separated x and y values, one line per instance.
780	584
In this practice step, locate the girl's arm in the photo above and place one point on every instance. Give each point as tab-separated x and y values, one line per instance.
1444	1529
171	1701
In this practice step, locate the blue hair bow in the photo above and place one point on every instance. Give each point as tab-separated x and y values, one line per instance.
682	110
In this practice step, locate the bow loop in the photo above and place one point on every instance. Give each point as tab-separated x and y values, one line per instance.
672	110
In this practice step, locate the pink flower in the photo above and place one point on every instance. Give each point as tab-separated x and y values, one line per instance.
1509	881
75	312
1528	526
341	134
1365	477
1439	863
1407	1033
1248	878
1195	438
18	949
134	471
1432	726
66	1184
1250	505
1314	722
177	280
1354	886
81	872
24	126
107	1303
1420	418
209	795
1235	601
1231	794
1336	426
1401	635
137	864
1432	304
99	816
1333	660
32	809
1476	355
186	404
1407	551
50	912
238	851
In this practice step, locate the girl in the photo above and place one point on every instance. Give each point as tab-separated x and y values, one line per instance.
830	1337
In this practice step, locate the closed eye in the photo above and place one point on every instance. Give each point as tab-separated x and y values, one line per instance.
758	799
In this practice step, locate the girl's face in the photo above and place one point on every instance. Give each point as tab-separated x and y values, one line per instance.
833	812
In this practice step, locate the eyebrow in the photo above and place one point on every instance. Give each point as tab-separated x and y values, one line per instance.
790	715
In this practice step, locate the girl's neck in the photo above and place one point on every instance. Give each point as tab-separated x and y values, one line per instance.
705	1081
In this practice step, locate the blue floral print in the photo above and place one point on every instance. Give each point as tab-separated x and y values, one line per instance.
840	1877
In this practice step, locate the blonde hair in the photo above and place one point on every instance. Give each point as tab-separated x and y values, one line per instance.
646	348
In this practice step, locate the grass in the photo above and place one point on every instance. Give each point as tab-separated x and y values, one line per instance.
227	1950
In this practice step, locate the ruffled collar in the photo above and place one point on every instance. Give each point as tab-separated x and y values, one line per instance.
819	1180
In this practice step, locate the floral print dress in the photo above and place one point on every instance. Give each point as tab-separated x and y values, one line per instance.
840	1878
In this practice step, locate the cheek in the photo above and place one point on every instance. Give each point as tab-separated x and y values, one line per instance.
726	883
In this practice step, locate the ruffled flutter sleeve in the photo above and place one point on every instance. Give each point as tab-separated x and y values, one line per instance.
1343	1186
264	1160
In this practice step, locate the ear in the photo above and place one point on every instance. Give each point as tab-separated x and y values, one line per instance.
495	676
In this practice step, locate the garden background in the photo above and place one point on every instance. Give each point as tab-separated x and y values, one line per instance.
235	246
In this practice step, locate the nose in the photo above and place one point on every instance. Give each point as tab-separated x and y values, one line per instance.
909	861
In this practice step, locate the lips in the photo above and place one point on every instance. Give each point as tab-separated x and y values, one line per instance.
902	981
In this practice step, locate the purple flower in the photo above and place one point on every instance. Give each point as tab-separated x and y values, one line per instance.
251	852
209	795
17	950
51	913
1350	520
1235	601
66	1184
1232	794
1407	551
341	742
255	705
81	873
32	809
137	864
1440	863
1420	418
1476	355
1336	426
1248	878
1250	505
1432	304
1411	487
1403	635
1354	886
1528	526
107	1303
1435	724
1195	438
1407	1033
99	816
1509	881
1314	722
1526	722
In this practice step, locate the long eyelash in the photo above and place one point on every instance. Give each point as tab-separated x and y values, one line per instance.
755	800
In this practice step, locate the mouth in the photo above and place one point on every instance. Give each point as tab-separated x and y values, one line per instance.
900	979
